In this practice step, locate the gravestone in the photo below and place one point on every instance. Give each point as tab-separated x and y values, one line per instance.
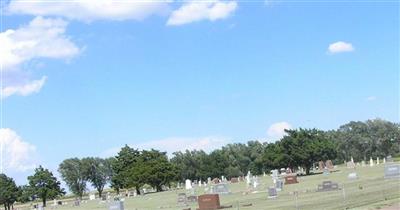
392	171
248	177
116	205
220	189
389	159
92	197
329	164
59	203
275	174
191	199
377	160
327	186
209	180
272	193
363	163
291	179
215	180
352	176
321	165
77	202
350	165
188	184
182	199
371	162
254	182
326	171
279	185
234	180
209	202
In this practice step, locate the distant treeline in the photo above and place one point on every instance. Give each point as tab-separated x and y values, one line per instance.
132	168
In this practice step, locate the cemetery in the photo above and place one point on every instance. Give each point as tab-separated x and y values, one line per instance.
374	187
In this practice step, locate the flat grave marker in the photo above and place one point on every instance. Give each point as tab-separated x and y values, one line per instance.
116	205
327	186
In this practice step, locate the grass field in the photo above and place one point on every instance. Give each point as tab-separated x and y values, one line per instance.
370	191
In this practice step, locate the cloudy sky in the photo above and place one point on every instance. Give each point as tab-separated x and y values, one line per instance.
83	78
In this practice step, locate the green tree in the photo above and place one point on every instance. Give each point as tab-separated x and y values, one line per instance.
99	172
158	171
8	191
75	174
303	147
44	185
122	169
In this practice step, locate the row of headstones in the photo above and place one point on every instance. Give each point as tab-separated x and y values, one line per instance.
385	160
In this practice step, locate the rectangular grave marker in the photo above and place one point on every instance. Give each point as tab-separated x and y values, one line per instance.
116	205
392	171
291	179
272	193
209	202
327	186
220	189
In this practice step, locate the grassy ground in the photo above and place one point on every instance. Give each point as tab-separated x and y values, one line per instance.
370	191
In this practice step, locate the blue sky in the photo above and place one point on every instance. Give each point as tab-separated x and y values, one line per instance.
189	75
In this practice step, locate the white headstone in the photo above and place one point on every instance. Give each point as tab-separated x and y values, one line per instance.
248	177
200	183
363	163
377	160
352	160
188	184
371	162
384	160
352	176
92	197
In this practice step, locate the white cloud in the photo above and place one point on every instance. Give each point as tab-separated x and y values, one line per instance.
196	11
90	10
340	46
371	98
18	155
25	89
174	144
41	38
277	130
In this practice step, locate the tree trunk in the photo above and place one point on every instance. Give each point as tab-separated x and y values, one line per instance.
307	170
44	202
137	190
100	191
158	188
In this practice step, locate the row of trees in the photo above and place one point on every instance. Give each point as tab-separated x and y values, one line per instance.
42	184
132	168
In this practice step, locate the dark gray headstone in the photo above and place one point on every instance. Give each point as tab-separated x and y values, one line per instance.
279	185
116	205
220	189
272	193
392	171
327	186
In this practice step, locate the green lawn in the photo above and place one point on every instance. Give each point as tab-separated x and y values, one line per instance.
370	191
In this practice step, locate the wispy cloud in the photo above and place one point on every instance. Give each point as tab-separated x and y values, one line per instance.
41	38
340	47
90	10
174	144
371	98
196	11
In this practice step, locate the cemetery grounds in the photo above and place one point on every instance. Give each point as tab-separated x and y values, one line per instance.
369	191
